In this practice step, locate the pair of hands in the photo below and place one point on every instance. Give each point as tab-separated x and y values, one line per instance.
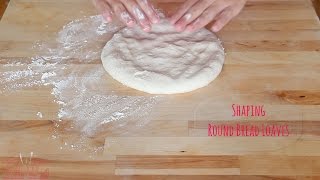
191	16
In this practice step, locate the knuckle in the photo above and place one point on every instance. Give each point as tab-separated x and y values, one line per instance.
188	16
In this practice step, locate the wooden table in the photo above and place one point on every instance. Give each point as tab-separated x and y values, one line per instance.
273	59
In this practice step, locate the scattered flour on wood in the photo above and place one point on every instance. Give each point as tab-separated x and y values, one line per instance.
84	103
39	114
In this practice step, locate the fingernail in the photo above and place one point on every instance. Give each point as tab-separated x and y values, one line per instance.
187	16
154	20
147	28
179	28
107	17
145	23
214	29
131	23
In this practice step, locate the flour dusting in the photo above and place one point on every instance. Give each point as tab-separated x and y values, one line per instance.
86	104
39	114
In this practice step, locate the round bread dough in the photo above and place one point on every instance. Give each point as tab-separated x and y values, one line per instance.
163	61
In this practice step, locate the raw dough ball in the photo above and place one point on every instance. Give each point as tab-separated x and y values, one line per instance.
163	61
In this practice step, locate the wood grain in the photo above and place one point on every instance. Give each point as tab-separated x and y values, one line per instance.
273	52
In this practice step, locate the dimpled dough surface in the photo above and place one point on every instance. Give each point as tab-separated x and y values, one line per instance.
163	61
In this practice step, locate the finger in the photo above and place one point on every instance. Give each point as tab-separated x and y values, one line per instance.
194	12
222	20
182	10
205	18
104	9
138	14
148	9
121	12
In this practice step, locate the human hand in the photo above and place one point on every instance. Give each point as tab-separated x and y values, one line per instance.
130	12
195	14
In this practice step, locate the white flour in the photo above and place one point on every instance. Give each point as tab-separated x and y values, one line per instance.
39	114
90	107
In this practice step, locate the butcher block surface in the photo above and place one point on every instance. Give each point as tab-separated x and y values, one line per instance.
272	60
